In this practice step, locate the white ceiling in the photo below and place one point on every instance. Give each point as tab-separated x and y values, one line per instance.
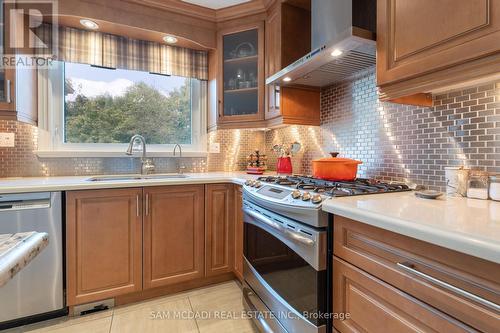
216	4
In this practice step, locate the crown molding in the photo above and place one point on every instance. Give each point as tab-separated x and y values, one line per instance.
248	8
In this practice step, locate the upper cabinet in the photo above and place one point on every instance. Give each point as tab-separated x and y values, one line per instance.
241	76
251	49
288	37
424	46
18	85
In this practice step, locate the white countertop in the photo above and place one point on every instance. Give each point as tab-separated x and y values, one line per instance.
47	184
466	225
469	226
17	251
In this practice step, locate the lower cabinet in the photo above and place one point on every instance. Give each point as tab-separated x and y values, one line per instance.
389	282
238	232
173	234
219	229
377	307
103	244
124	241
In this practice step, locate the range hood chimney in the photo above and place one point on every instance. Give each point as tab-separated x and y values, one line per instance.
342	44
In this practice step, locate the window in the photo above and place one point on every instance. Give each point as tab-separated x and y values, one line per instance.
101	109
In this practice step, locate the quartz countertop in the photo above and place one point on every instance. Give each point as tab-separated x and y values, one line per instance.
470	226
17	250
47	184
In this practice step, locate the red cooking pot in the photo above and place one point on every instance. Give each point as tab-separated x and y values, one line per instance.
335	168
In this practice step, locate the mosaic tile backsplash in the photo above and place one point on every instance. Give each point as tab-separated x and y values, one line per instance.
22	161
402	142
395	142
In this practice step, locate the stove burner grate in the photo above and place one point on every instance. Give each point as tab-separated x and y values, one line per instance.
359	186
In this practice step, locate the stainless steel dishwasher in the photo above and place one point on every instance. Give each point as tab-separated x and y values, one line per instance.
36	292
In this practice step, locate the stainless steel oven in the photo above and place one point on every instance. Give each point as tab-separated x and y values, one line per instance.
285	271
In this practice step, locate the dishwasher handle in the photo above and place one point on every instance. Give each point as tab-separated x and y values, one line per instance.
13	202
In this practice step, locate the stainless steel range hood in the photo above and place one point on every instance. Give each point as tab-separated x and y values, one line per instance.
343	43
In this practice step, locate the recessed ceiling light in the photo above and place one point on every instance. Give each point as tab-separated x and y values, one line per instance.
89	24
287	79
170	39
336	53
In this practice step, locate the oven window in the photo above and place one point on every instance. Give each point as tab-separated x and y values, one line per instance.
299	284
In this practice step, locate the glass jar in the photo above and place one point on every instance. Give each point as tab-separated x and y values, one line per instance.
477	185
495	187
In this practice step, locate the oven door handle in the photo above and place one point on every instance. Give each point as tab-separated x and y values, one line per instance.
289	233
299	238
264	219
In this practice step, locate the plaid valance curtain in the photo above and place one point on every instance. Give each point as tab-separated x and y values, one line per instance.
101	49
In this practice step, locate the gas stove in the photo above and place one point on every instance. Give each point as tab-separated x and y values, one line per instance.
300	197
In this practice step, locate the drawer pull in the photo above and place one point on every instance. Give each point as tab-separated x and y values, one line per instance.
410	269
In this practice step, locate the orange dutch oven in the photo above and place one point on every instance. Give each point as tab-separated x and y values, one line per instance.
335	168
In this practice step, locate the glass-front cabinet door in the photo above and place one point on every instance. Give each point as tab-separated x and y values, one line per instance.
242	74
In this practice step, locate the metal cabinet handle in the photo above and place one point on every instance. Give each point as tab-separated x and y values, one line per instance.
408	267
137	205
8	98
219	108
147	204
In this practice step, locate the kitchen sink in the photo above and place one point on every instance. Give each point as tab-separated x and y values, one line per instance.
135	177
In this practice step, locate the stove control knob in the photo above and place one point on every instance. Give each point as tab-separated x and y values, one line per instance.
296	194
249	182
257	184
316	199
306	196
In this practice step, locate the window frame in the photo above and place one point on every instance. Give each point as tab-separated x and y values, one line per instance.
51	123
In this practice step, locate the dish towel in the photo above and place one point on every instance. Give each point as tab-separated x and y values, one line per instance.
17	251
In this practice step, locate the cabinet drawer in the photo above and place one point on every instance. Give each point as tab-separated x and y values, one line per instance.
374	306
465	287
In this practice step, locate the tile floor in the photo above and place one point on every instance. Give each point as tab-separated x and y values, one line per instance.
205	310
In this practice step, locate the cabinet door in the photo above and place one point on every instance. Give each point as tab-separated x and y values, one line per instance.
241	97
377	307
173	234
7	95
418	37
273	58
238	232
219	229
103	244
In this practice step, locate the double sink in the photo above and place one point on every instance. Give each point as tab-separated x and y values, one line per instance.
136	177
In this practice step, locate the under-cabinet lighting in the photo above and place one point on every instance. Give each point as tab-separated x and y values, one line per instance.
89	24
287	79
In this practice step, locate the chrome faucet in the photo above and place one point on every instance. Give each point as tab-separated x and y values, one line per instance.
180	166
147	165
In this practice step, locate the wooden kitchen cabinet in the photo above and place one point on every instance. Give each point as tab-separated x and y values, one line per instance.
412	268
238	232
219	229
288	37
173	234
103	244
377	307
240	82
428	45
18	95
19	85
